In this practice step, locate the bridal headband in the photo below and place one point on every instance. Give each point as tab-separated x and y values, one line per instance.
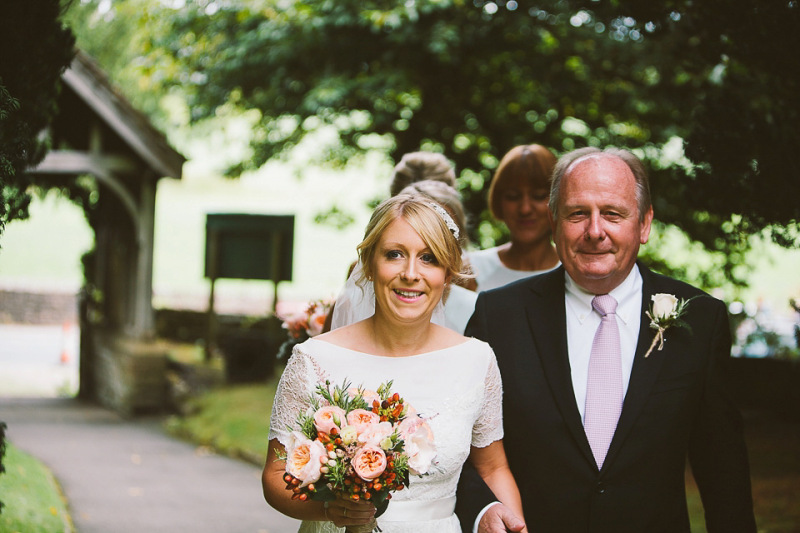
448	220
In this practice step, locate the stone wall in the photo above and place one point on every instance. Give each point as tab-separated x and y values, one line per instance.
27	307
130	375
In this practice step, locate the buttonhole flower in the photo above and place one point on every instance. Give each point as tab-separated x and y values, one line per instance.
665	312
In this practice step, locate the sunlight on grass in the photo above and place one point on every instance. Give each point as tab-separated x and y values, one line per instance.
32	499
233	420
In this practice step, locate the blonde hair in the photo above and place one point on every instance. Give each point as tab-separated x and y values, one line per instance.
420	215
527	163
446	196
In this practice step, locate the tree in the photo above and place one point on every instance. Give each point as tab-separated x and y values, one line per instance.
740	120
36	48
706	92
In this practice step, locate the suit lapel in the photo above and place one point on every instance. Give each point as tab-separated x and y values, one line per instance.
643	374
546	314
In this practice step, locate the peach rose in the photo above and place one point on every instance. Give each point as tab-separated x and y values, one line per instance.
316	321
361	419
329	417
375	433
296	324
369	462
303	458
418	439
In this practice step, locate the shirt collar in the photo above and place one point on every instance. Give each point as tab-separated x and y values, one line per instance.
626	293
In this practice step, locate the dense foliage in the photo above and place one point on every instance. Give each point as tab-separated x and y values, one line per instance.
707	92
35	48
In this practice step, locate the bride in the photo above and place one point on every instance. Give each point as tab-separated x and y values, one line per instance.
410	254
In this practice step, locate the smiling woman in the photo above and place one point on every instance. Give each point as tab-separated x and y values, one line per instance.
409	247
518	197
409	255
409	280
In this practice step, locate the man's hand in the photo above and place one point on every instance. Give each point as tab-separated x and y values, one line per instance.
499	519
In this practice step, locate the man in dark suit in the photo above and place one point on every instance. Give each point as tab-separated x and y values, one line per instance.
666	405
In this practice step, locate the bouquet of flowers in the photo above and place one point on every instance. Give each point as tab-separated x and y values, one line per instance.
304	325
357	444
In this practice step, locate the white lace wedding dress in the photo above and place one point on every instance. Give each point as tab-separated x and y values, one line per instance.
458	388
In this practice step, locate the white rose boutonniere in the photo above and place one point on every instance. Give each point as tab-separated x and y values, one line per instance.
665	312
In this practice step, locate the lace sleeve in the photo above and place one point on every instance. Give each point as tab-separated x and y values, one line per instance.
489	424
292	396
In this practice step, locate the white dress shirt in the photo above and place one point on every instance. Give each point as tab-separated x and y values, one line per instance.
583	321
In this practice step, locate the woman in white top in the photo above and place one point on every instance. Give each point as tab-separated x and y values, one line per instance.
518	197
410	254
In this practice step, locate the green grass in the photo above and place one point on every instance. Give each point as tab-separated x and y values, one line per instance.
772	445
32	500
232	420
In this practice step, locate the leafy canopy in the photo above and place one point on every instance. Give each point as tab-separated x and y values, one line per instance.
36	48
706	92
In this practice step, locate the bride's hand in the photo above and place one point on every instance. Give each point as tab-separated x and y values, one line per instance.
344	512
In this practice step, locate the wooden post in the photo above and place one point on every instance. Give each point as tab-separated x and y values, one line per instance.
211	329
276	268
212	271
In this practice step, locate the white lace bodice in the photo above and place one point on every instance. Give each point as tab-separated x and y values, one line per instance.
457	388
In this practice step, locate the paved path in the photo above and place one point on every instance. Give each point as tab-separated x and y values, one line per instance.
128	476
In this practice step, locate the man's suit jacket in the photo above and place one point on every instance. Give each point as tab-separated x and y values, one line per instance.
675	406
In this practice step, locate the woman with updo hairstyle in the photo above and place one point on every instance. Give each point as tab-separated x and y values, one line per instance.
418	166
518	197
411	254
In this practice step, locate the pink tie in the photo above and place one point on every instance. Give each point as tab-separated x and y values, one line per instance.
604	387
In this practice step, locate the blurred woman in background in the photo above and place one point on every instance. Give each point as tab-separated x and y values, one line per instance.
518	197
